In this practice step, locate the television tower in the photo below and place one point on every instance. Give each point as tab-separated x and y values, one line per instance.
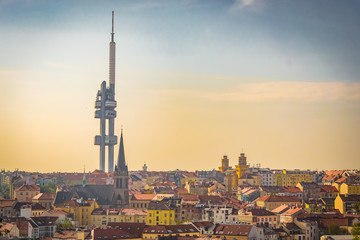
105	105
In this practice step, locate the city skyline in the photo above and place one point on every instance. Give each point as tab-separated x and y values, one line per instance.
195	80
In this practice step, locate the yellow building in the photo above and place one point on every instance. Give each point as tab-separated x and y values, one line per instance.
101	217
270	202
231	181
346	203
26	192
242	167
37	210
161	213
80	211
241	170
153	232
346	188
291	178
279	180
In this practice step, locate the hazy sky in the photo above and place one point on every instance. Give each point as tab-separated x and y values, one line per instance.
195	79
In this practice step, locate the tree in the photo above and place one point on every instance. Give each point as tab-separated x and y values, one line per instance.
48	188
356	231
59	181
64	225
357	207
335	229
5	190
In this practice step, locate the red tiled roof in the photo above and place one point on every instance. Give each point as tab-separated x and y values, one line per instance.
293	211
340	180
133	212
189	197
260	212
280	209
56	212
155	229
271	198
44	196
202	224
328	188
65	234
6	227
143	196
350	198
292	189
340	172
212	199
111	233
31	187
133	228
182	228
6	203
263	198
233	230
70	203
181	190
170	229
329	177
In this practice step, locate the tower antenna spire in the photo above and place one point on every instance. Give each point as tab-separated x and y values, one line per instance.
112	27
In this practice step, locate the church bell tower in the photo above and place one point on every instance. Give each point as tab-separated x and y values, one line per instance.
121	179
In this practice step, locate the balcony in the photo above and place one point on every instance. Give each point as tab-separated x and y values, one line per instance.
109	140
108	114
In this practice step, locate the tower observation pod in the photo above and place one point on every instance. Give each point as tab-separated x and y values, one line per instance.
105	105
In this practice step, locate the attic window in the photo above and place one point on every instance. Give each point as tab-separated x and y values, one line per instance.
152	230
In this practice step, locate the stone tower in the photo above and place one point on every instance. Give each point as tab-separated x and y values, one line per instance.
242	159
224	164
121	179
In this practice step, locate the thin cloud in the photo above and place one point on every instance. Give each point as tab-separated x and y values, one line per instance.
277	91
255	5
